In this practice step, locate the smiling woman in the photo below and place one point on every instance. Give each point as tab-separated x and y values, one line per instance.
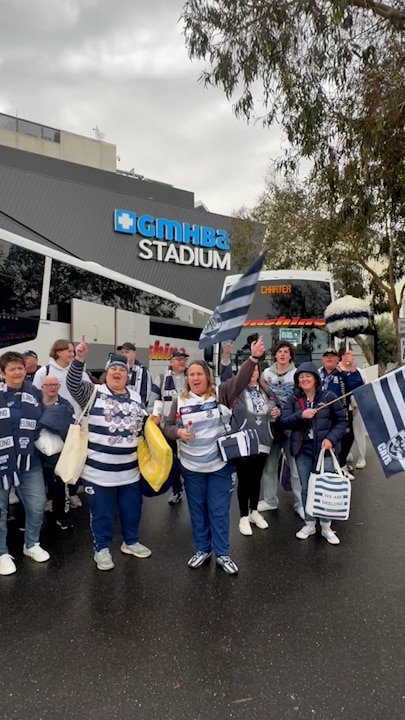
317	423
111	474
197	419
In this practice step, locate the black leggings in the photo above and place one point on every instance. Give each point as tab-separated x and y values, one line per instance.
346	441
58	492
249	471
176	477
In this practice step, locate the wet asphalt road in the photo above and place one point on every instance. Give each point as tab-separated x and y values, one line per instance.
306	630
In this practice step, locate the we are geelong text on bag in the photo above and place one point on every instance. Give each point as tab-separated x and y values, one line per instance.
328	492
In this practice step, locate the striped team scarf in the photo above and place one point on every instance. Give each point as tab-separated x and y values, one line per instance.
17	446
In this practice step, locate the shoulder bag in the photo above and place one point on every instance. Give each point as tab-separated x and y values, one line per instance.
155	457
74	453
328	492
238	444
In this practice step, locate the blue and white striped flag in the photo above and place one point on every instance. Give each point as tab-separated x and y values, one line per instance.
382	407
228	317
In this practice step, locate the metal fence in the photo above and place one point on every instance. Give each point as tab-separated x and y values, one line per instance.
16	124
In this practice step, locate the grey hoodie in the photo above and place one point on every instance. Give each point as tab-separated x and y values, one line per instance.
280	384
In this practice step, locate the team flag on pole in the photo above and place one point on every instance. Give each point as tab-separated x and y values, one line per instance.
382	407
228	317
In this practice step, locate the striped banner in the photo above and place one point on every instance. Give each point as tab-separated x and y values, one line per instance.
382	406
228	317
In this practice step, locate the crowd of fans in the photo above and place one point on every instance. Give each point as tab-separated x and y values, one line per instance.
295	412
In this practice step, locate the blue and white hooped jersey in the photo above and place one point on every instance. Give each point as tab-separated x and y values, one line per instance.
115	430
202	454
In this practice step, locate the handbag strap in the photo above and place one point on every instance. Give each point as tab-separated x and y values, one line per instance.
87	406
320	465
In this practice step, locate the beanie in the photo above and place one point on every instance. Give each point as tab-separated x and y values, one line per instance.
117	360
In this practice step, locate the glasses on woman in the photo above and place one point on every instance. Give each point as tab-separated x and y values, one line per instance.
51	385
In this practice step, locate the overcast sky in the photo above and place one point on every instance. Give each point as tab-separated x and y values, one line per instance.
122	67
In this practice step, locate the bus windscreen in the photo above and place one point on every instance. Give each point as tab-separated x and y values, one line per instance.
291	310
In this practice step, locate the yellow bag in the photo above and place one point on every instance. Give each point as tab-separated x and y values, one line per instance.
155	456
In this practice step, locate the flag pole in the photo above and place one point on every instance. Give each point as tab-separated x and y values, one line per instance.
338	397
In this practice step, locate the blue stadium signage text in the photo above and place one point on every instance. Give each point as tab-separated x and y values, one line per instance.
203	236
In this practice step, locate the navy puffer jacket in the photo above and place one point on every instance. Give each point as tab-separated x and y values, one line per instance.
329	422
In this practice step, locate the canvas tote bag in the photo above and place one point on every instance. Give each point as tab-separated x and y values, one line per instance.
73	456
328	492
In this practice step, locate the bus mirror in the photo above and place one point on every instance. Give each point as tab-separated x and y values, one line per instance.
209	354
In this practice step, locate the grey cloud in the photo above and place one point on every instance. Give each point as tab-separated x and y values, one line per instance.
123	67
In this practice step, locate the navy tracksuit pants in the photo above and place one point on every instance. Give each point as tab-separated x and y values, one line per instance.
209	498
103	501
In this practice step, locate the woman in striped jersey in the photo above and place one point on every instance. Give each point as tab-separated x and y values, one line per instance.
197	419
111	474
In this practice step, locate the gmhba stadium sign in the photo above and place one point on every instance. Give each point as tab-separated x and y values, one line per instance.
168	240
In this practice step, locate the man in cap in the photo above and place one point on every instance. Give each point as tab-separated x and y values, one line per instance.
139	376
330	374
332	379
31	364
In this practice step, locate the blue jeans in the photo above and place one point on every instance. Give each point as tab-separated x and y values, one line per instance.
209	498
270	474
103	501
305	465
31	492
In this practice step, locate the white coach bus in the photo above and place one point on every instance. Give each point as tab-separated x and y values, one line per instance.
287	305
46	294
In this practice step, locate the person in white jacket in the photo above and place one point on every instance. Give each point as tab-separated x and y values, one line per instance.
61	355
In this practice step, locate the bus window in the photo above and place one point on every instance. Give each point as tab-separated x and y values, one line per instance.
71	282
290	307
21	275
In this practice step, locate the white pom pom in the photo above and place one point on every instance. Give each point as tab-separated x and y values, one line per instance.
348	316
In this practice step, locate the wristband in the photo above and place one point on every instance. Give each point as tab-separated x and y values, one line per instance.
254	358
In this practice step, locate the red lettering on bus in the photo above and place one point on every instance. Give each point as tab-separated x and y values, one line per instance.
282	320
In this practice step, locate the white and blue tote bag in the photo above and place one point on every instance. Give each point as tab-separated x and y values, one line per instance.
328	492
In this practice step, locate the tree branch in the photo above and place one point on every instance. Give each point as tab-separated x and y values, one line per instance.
378	8
375	276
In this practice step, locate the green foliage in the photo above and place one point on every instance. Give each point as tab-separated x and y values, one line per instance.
332	73
304	55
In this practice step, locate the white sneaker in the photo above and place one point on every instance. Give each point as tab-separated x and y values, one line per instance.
227	564
360	464
329	535
7	566
258	520
346	472
136	549
300	512
306	531
36	553
263	506
103	559
244	526
350	457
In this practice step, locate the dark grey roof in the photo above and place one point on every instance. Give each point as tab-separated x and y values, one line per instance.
70	207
